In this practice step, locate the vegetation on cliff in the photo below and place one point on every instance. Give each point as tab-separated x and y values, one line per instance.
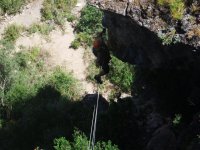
177	7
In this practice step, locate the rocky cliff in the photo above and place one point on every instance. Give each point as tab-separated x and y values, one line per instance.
145	32
162	40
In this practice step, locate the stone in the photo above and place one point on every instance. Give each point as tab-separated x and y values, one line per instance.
163	139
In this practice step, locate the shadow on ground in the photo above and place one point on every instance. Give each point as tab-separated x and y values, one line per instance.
48	115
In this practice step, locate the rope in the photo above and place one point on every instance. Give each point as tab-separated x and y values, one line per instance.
91	129
91	143
95	123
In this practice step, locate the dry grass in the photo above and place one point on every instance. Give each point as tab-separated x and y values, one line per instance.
194	32
177	7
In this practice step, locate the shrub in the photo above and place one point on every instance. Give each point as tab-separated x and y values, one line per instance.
81	143
57	10
12	33
88	25
169	37
62	144
21	88
90	20
26	75
65	83
22	59
44	29
75	44
70	17
177	119
121	74
11	6
92	71
47	11
29	56
6	65
177	7
83	39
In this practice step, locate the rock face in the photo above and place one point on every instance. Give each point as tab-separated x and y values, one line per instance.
166	53
163	139
143	32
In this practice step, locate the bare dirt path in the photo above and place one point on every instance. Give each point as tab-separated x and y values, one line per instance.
30	14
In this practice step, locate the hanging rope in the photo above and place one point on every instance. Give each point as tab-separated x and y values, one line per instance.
91	129
91	143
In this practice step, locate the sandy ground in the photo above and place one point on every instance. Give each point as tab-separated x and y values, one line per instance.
30	14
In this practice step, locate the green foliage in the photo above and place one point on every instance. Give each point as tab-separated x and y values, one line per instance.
177	7
65	83
11	6
177	119
5	63
92	71
6	69
88	25
57	10
169	37
71	17
106	146
12	33
90	21
30	58
21	88
83	39
81	143
121	74
47	11
1	123
23	73
75	44
62	144
27	76
44	29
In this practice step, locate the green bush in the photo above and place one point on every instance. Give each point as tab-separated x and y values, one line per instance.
65	83
11	6
21	88
26	58
121	74
82	39
22	59
81	143
44	29
6	65
177	7
75	44
92	70
177	119
12	33
169	37
71	17
57	10
90	20
24	74
47	11
62	144
88	26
